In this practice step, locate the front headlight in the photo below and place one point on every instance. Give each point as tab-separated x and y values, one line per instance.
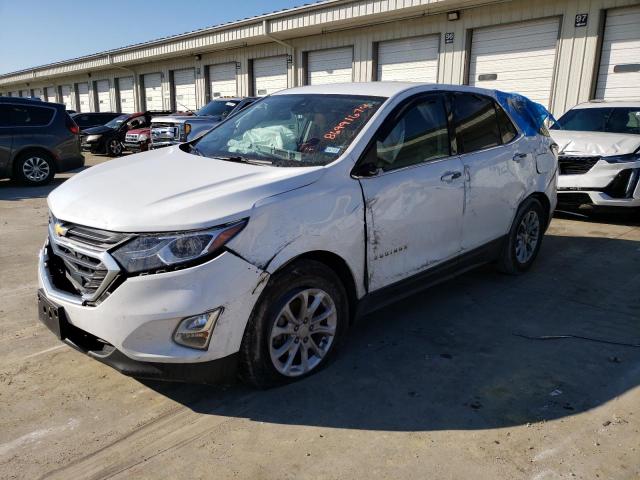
93	138
161	251
142	137
627	158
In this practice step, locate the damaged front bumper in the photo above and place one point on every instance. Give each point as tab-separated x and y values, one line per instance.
132	329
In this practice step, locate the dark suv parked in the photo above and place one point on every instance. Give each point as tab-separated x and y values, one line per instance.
37	139
88	120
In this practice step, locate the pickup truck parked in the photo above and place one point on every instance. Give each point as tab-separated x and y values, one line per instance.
180	128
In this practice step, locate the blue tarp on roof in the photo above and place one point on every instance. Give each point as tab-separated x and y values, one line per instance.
529	115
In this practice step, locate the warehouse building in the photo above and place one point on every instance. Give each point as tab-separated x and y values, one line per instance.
557	52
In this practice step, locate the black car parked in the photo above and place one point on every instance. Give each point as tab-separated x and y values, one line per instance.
89	120
37	139
108	138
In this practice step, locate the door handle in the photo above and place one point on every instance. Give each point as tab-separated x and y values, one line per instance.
449	177
519	156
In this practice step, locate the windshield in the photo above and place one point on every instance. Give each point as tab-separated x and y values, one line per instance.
217	108
116	122
606	119
291	130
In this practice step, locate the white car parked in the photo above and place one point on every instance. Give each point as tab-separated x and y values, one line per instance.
599	155
257	245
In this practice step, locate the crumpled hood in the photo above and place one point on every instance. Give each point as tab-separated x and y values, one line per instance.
595	143
169	190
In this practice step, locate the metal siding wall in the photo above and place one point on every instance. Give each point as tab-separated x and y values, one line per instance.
573	79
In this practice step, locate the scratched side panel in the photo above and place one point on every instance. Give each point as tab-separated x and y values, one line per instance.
325	216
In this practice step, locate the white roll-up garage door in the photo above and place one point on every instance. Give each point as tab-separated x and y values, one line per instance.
125	90
330	66
409	59
50	94
184	89
222	80
103	96
518	57
619	73
153	91
37	92
25	93
269	75
65	90
83	97
15	93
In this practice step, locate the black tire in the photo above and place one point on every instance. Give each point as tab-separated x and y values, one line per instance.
508	261
256	365
114	148
25	169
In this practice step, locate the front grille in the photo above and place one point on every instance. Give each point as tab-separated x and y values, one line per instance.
78	259
573	165
84	273
131	137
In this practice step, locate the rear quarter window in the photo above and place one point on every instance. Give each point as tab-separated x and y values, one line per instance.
31	116
507	130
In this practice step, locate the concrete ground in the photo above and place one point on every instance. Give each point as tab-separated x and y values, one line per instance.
438	386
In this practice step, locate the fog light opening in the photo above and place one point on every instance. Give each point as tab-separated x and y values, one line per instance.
196	331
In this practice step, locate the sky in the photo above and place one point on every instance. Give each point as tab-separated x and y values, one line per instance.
34	33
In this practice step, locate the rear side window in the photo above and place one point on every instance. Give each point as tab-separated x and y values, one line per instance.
507	130
475	122
419	135
30	116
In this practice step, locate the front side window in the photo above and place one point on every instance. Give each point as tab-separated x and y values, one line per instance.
419	135
291	130
28	116
475	122
605	119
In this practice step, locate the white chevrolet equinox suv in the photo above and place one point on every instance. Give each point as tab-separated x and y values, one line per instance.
252	249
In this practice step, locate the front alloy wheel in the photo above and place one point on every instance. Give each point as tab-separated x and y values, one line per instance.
303	332
297	325
114	148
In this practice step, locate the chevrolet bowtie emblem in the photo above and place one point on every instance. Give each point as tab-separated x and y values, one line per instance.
60	230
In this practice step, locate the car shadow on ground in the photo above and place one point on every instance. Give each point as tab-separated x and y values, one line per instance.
450	358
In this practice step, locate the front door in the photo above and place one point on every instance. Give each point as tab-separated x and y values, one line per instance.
413	193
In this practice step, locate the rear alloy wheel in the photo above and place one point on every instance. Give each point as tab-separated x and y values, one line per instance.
114	148
525	237
34	169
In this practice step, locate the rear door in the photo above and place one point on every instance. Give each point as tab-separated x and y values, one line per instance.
414	193
498	167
